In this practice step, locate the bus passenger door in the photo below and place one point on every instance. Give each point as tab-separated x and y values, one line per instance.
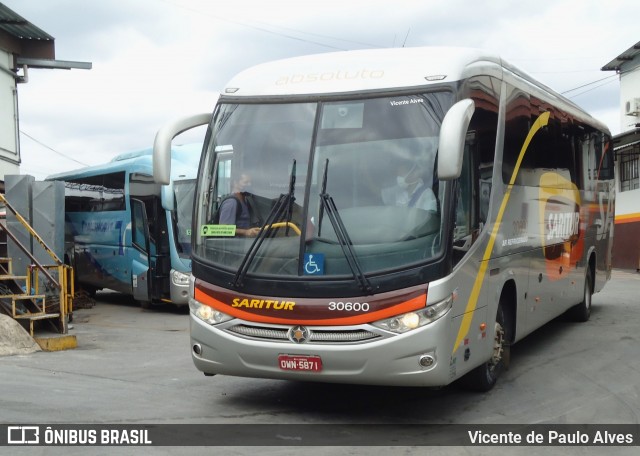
140	256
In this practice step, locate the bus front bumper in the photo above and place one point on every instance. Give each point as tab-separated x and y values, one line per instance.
421	357
179	289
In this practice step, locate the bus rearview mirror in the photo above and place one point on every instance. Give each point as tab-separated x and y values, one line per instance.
162	144
452	136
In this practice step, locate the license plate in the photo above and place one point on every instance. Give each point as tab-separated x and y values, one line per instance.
300	363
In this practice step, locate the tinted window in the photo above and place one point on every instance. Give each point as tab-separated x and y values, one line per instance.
552	148
96	193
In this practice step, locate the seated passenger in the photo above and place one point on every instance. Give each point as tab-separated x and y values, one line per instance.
410	190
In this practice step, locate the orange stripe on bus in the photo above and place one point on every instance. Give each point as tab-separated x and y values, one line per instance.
629	218
416	303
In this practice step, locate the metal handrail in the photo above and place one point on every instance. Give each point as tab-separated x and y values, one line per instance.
64	284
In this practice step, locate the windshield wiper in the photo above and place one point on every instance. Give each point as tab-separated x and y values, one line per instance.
284	206
329	206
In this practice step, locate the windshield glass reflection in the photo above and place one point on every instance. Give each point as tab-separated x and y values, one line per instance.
377	158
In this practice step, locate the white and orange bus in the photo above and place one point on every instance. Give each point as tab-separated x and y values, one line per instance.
419	211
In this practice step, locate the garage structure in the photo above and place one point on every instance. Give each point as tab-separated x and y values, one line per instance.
22	46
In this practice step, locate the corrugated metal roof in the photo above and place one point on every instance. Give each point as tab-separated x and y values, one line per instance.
627	139
16	25
627	56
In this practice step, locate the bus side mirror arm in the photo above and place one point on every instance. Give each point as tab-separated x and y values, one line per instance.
452	136
162	144
167	197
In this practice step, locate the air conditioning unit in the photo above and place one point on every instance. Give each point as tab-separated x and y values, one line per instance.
632	107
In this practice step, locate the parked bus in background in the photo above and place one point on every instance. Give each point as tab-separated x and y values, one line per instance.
125	232
421	209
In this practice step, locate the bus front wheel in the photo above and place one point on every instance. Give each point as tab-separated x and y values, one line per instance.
485	376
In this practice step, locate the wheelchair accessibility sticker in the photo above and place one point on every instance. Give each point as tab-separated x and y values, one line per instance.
314	263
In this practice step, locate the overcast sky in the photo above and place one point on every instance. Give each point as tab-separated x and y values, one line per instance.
155	60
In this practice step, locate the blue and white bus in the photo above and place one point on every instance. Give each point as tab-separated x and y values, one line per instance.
126	233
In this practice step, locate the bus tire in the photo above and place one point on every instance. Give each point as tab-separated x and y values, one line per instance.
484	377
91	290
582	312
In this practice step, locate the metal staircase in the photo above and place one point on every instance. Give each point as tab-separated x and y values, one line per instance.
22	302
20	296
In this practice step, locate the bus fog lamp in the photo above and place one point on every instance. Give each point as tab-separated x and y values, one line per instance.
426	361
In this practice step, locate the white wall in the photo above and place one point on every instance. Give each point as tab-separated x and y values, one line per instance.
629	89
627	203
9	153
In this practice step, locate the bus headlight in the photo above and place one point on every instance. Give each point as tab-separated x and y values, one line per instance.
179	278
412	320
207	313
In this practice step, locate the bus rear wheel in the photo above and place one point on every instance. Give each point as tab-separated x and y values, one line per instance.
484	377
582	312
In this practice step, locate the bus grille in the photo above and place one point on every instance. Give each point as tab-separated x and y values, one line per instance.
318	336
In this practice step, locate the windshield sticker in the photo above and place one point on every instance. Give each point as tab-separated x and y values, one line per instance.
314	263
218	230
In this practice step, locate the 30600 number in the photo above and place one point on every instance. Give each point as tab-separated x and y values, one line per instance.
340	306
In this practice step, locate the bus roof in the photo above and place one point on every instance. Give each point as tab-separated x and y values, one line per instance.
182	153
349	72
357	71
185	160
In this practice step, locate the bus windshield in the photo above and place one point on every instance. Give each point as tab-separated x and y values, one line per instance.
184	191
323	188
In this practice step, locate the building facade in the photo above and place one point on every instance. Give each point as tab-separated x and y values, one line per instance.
22	46
626	244
18	38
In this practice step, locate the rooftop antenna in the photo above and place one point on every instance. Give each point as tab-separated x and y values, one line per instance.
405	38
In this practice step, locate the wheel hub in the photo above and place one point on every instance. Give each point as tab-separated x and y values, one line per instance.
498	345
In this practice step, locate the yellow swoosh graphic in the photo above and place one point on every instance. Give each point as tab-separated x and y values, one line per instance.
540	122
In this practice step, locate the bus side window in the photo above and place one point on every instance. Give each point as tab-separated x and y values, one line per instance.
474	184
465	231
140	229
464	192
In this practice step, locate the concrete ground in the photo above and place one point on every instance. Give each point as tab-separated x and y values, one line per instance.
133	366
